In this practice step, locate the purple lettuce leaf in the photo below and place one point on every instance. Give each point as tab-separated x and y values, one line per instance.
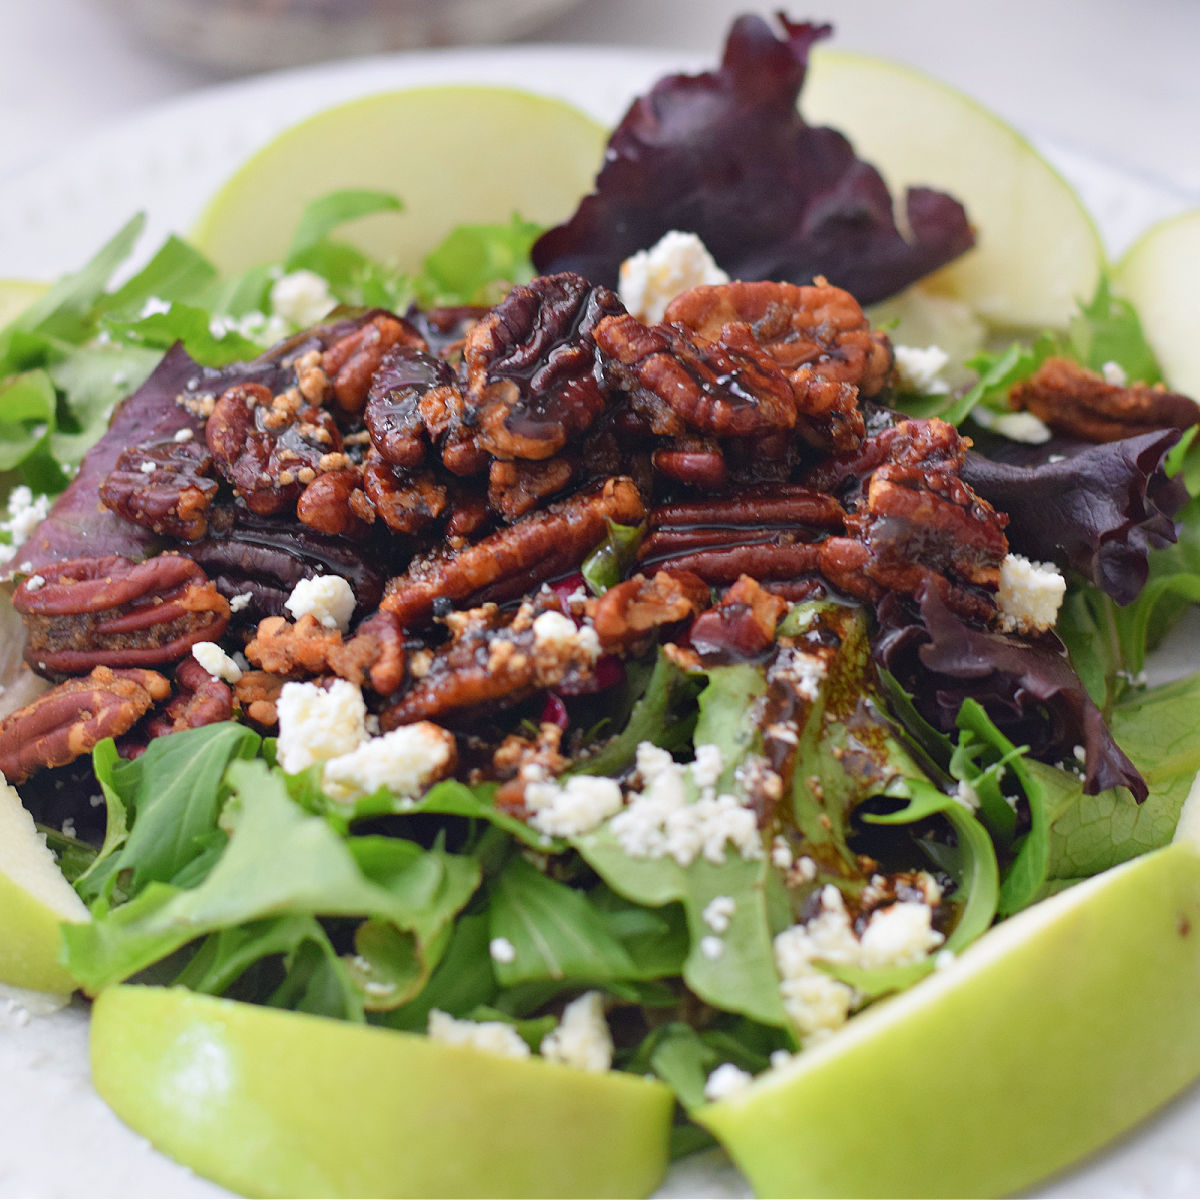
1097	509
1028	688
727	155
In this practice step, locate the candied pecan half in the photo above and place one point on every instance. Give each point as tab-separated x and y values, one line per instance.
1079	403
166	486
627	613
514	488
392	414
260	559
533	374
256	694
351	361
818	333
681	384
69	720
740	626
328	503
375	653
769	532
408	501
510	562
271	447
109	611
200	699
489	663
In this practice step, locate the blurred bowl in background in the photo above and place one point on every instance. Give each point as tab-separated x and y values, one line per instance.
242	36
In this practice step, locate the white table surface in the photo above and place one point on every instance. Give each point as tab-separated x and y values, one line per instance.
1115	78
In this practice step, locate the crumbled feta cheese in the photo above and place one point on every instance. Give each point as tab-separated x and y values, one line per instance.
727	1080
967	796
316	724
817	1003
25	513
919	369
1016	426
147	467
781	853
501	950
183	435
35	583
1030	594
650	279
240	601
328	598
898	935
494	1037
559	643
1114	374
780	1058
154	305
301	297
582	1038
216	662
803	671
576	806
663	821
707	766
405	761
712	947
718	913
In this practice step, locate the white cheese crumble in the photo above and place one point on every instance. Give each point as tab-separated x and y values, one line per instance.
301	297
727	1080
35	583
328	598
493	1037
316	724
216	662
582	1038
558	643
405	761
919	369
650	279
718	913
576	806
1030	594
183	435
501	950
1114	374
712	947
1016	426
25	513
817	1004
240	601
664	821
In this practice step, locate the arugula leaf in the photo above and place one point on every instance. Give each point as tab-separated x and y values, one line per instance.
476	264
608	564
164	805
324	214
554	930
278	860
1107	329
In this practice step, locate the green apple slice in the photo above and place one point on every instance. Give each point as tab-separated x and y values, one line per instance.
1037	250
453	155
276	1103
16	295
1057	1031
1157	274
35	900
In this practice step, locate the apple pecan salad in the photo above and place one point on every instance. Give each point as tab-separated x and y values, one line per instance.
643	657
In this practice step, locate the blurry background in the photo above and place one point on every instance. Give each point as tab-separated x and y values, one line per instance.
1110	77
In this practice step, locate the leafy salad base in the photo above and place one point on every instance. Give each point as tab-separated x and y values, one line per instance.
67	1140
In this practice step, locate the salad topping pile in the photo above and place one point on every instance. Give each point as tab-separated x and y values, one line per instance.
638	665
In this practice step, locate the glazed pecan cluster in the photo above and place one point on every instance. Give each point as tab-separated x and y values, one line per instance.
454	467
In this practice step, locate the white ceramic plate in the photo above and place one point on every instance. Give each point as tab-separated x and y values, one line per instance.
59	1139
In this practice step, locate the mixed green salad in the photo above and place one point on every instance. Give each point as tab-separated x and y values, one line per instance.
712	848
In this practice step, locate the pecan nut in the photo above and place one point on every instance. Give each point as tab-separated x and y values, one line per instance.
68	721
91	612
351	361
1078	403
541	546
167	487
